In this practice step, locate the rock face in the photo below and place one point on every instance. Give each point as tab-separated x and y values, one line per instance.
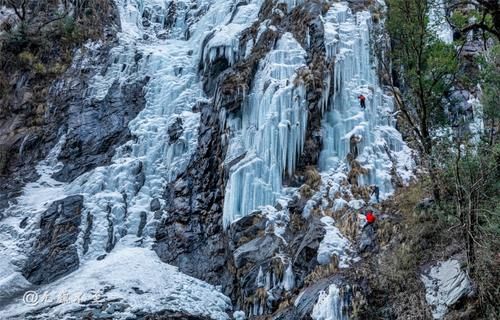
87	147
279	261
32	113
54	253
190	235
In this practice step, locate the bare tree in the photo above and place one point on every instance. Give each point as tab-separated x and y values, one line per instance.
19	7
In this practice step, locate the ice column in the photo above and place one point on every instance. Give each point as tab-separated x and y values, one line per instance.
347	42
331	305
269	134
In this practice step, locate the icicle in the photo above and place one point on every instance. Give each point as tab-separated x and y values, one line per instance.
260	281
330	305
289	279
271	131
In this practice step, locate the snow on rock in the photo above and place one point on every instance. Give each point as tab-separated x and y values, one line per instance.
164	45
445	284
225	39
334	243
270	132
331	305
132	280
379	148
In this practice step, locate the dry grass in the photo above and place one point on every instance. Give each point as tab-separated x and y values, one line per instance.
313	178
322	271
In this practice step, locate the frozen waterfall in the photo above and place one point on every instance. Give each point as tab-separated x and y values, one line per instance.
331	305
438	22
270	132
379	144
117	197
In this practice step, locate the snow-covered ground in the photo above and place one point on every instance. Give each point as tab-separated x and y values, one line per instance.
133	279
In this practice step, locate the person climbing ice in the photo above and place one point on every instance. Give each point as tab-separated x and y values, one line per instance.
370	217
362	99
376	192
354	140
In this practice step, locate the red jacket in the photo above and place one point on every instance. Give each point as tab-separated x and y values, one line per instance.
370	217
361	98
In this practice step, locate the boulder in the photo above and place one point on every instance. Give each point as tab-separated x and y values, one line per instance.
445	284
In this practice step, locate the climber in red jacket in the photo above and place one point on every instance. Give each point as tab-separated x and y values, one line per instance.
362	99
370	217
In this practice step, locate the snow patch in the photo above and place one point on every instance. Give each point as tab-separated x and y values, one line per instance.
445	284
136	278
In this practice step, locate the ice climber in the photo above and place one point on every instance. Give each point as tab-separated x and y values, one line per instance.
376	192
362	99
370	217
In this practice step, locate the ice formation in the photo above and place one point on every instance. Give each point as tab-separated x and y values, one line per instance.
117	195
347	41
437	21
331	305
333	243
269	133
136	273
265	140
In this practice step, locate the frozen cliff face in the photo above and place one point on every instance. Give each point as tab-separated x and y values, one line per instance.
105	219
255	181
269	133
117	218
379	146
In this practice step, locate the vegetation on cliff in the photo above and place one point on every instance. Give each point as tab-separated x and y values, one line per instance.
459	150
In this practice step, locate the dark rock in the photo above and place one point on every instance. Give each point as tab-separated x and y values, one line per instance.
87	148
37	110
306	245
256	250
137	290
368	239
88	230
54	254
162	35
155	205
142	224
101	257
190	235
111	234
175	130
23	223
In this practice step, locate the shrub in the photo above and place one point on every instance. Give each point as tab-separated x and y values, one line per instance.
39	68
26	58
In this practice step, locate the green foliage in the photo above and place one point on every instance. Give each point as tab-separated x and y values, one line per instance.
428	66
26	58
39	68
490	83
459	19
